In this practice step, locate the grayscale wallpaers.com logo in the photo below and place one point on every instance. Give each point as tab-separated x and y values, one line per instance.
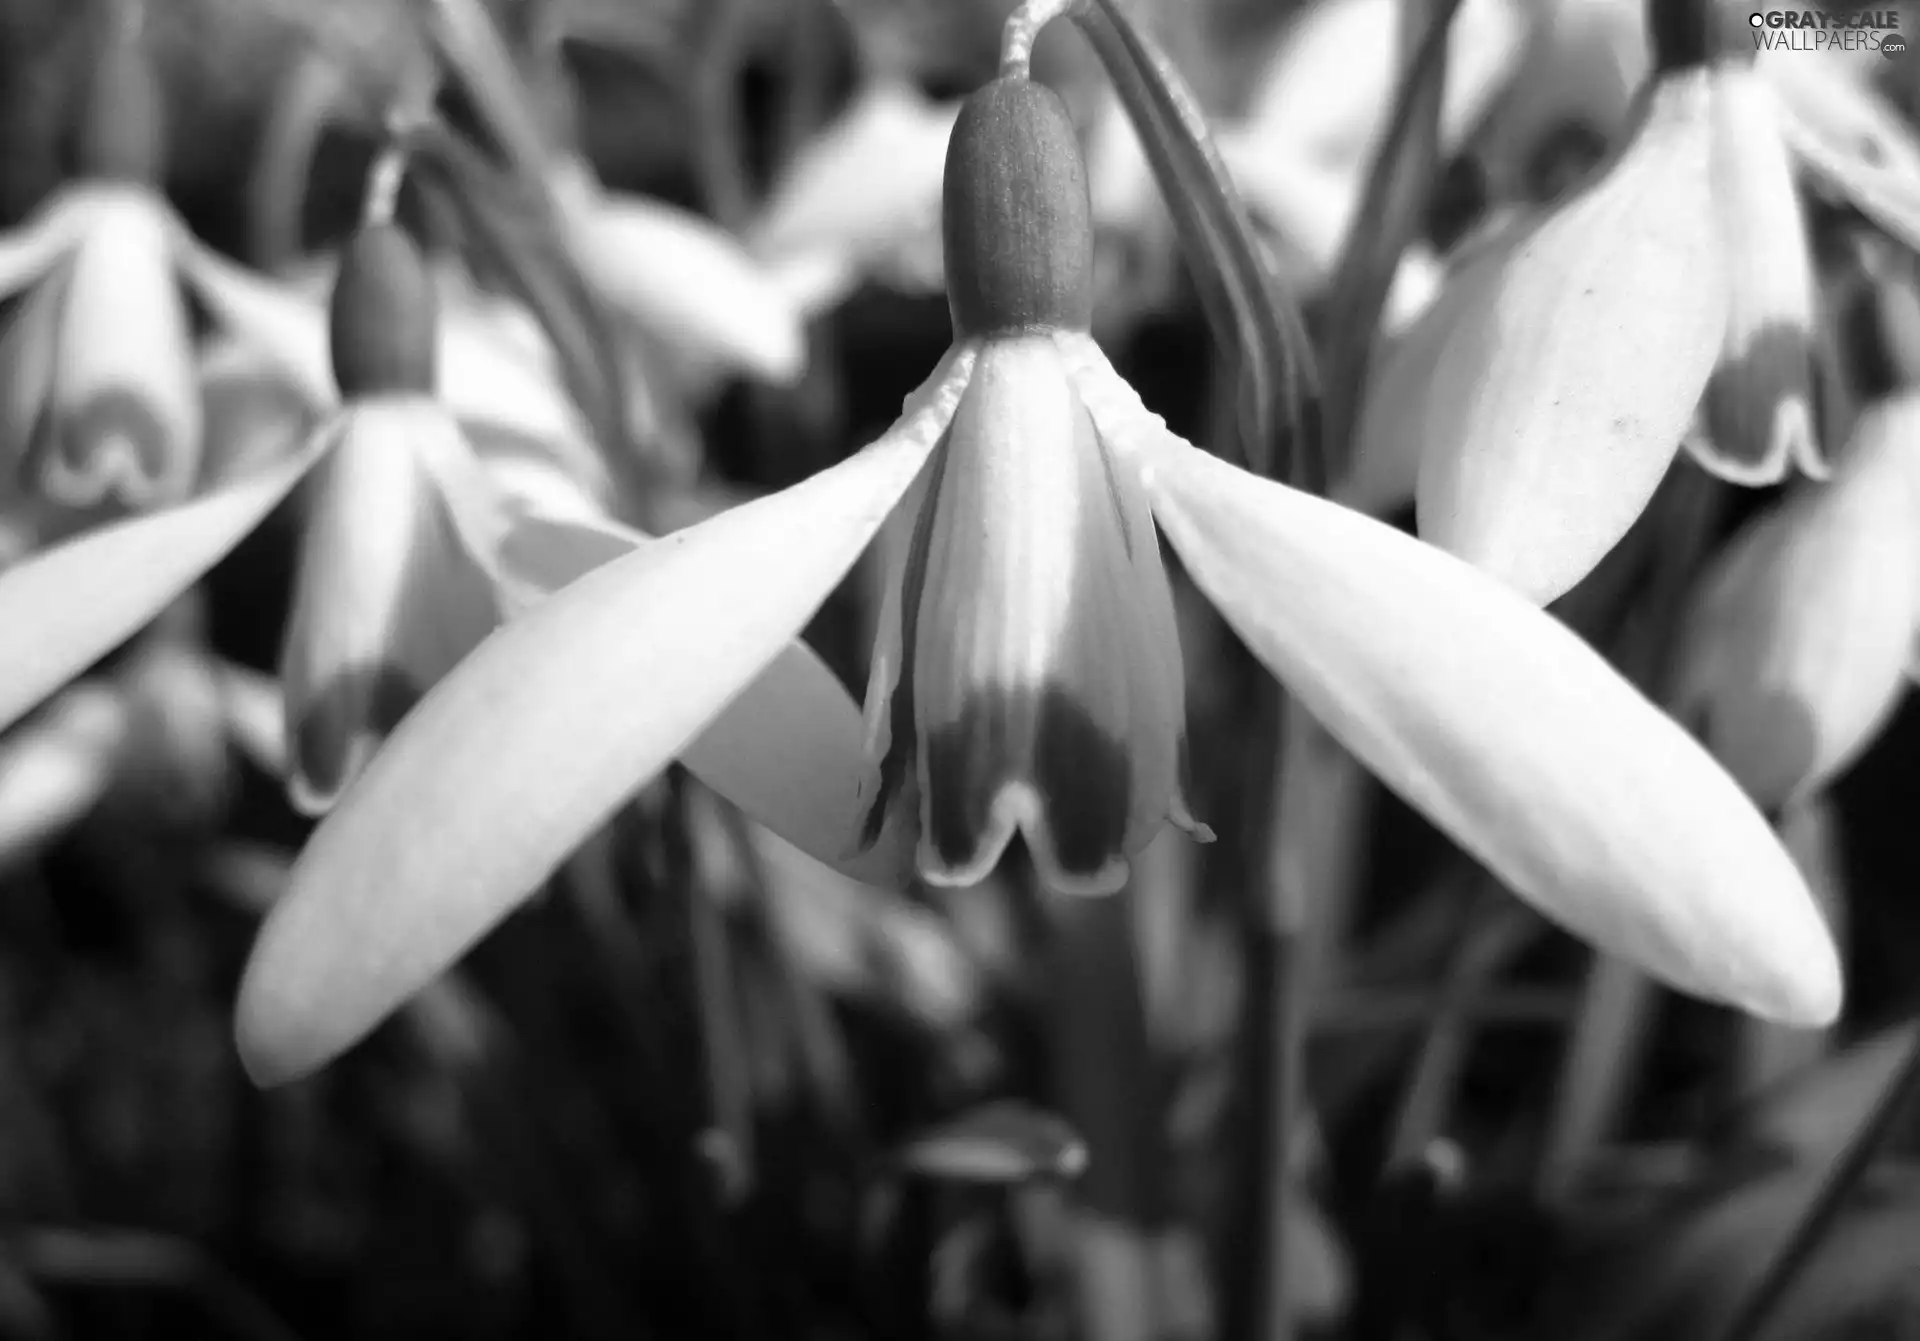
1818	30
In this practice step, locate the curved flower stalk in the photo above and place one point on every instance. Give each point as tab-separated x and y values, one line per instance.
1677	280
1026	677
1801	637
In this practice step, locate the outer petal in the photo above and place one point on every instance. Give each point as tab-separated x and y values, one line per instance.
1395	425
1796	648
1562	397
125	406
54	769
1503	727
685	280
789	752
529	745
254	412
387	600
1759	406
79	601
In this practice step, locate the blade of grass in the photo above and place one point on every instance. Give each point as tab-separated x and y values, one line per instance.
1256	326
1389	217
1811	1230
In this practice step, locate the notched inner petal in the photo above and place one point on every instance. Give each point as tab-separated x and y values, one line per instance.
1045	692
386	602
1759	403
126	403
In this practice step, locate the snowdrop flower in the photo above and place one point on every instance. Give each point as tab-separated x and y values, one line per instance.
102	413
1677	280
1027	677
84	596
1801	637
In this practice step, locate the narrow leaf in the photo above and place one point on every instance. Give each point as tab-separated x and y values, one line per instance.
1253	322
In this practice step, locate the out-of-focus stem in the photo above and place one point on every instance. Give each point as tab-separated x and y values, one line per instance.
1801	1247
1487	943
1108	1089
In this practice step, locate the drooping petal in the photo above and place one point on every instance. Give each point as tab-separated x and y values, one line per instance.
1042	696
1759	405
1796	647
789	752
387	598
1501	726
125	409
1395	427
254	412
685	280
83	598
1561	398
55	768
528	746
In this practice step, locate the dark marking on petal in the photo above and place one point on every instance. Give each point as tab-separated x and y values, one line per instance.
362	700
897	765
1083	776
114	445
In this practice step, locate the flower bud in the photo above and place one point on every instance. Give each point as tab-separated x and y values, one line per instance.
1017	222
122	132
384	314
